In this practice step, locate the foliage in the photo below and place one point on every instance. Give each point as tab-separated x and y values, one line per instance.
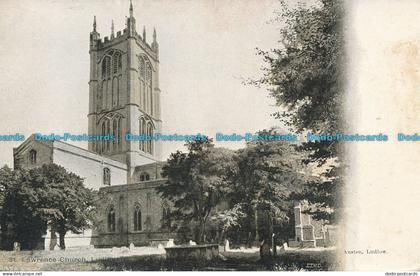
197	181
268	172
46	195
304	76
18	223
60	198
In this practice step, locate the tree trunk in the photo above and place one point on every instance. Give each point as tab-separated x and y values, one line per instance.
53	240
62	242
270	229
257	236
202	231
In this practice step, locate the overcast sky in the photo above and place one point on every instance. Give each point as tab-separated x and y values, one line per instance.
206	48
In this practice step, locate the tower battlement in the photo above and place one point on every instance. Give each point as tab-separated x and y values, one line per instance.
96	43
108	41
124	94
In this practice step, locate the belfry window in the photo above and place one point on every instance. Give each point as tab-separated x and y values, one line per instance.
116	63
146	130
115	134
106	67
149	93
32	156
142	75
149	144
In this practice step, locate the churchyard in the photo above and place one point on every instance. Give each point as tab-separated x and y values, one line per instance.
154	259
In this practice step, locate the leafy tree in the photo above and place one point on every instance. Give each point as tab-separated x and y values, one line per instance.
18	223
48	195
304	75
60	199
268	172
197	181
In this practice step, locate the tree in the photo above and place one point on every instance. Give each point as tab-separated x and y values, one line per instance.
268	172
18	223
305	76
48	195
60	199
197	181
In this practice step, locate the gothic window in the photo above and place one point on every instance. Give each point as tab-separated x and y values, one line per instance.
119	136
107	133
115	133
107	177
166	218
116	63
149	144
106	67
137	218
142	68
32	156
144	177
103	134
111	220
149	93
146	130
104	91
142	72
142	131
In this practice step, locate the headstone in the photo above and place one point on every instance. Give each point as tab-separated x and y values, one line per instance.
16	246
193	242
170	243
227	248
124	250
115	251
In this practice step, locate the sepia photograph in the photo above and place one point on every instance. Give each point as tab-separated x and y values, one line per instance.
181	135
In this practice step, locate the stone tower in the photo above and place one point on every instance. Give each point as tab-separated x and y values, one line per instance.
124	95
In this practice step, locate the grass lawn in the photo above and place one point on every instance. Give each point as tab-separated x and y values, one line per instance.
155	261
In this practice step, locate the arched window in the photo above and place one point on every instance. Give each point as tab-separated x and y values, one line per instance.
137	218
32	156
107	133
119	134
107	176
149	144
142	73
142	131
115	134
103	134
106	67
116	63
111	220
149	93
166	216
144	177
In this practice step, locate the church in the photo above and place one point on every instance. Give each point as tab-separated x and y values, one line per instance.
124	97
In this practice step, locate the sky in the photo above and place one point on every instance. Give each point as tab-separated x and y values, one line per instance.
207	48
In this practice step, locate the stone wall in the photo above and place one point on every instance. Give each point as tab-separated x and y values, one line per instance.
124	199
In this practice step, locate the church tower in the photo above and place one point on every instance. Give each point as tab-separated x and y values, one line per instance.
124	95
